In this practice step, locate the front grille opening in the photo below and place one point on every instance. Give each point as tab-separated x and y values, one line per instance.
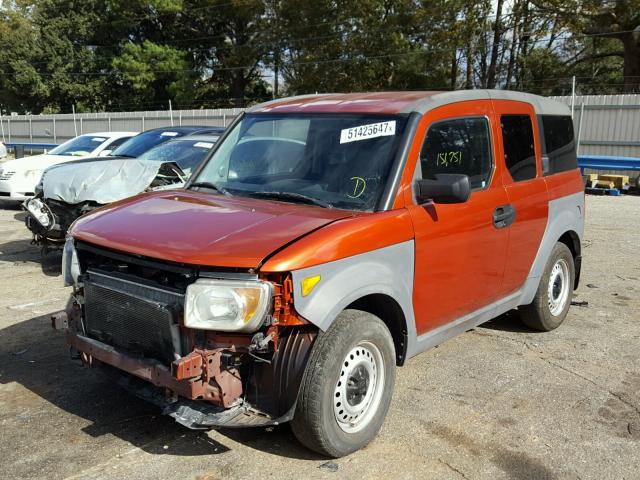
143	271
133	317
136	303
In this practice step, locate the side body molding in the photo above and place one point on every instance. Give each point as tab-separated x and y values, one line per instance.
387	271
565	214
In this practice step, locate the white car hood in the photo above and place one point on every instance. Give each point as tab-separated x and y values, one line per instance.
36	162
102	181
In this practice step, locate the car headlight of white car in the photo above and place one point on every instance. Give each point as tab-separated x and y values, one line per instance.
227	305
70	263
40	212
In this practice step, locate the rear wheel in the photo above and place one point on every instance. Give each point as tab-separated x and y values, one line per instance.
347	385
553	297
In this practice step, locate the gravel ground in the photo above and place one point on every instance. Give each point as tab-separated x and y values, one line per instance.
498	402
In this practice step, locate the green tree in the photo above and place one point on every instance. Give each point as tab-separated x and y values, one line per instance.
152	73
618	20
21	86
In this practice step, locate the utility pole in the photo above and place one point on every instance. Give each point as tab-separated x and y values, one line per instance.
276	71
75	128
573	95
2	125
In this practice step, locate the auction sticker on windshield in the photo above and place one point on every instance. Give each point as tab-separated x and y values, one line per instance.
365	132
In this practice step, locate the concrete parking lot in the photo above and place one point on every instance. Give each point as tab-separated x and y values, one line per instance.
498	402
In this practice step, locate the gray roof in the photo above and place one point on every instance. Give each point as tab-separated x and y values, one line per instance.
420	102
541	105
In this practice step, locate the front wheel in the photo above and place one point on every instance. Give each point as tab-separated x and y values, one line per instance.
553	297
347	385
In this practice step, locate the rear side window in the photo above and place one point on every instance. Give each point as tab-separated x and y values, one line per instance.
461	145
559	144
519	151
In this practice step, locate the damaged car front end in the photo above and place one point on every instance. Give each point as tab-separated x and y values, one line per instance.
73	190
211	348
68	191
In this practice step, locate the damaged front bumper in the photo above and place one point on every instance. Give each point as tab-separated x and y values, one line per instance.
203	389
196	415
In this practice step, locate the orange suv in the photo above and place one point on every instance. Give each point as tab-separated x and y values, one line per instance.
326	239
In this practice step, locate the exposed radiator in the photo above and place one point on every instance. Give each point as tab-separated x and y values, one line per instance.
133	317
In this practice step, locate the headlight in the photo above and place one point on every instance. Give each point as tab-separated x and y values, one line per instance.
70	263
228	306
40	212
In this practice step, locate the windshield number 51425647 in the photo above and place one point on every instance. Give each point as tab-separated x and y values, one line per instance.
364	132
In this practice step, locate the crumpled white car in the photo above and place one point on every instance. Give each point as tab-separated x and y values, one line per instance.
77	188
19	177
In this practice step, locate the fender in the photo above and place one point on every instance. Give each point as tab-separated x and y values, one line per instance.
565	214
387	270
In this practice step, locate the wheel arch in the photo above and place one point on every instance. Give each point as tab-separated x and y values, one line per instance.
565	223
572	240
379	282
387	309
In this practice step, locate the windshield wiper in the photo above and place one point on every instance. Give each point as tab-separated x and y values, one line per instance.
292	196
121	155
211	186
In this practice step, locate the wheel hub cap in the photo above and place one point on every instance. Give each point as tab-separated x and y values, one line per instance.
358	390
558	289
357	385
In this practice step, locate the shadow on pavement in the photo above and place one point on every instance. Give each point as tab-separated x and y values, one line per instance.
35	356
278	441
508	322
22	251
8	205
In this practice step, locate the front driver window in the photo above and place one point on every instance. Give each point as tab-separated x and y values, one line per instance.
461	146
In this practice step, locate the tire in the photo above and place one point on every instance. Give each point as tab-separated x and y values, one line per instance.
354	342
546	313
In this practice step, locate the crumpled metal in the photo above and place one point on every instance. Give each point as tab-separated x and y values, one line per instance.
102	181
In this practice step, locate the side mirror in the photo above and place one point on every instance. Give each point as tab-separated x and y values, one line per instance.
446	188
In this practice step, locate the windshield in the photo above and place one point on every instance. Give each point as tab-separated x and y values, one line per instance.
139	144
186	153
79	146
336	160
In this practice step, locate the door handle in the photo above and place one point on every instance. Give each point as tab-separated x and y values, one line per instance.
503	216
